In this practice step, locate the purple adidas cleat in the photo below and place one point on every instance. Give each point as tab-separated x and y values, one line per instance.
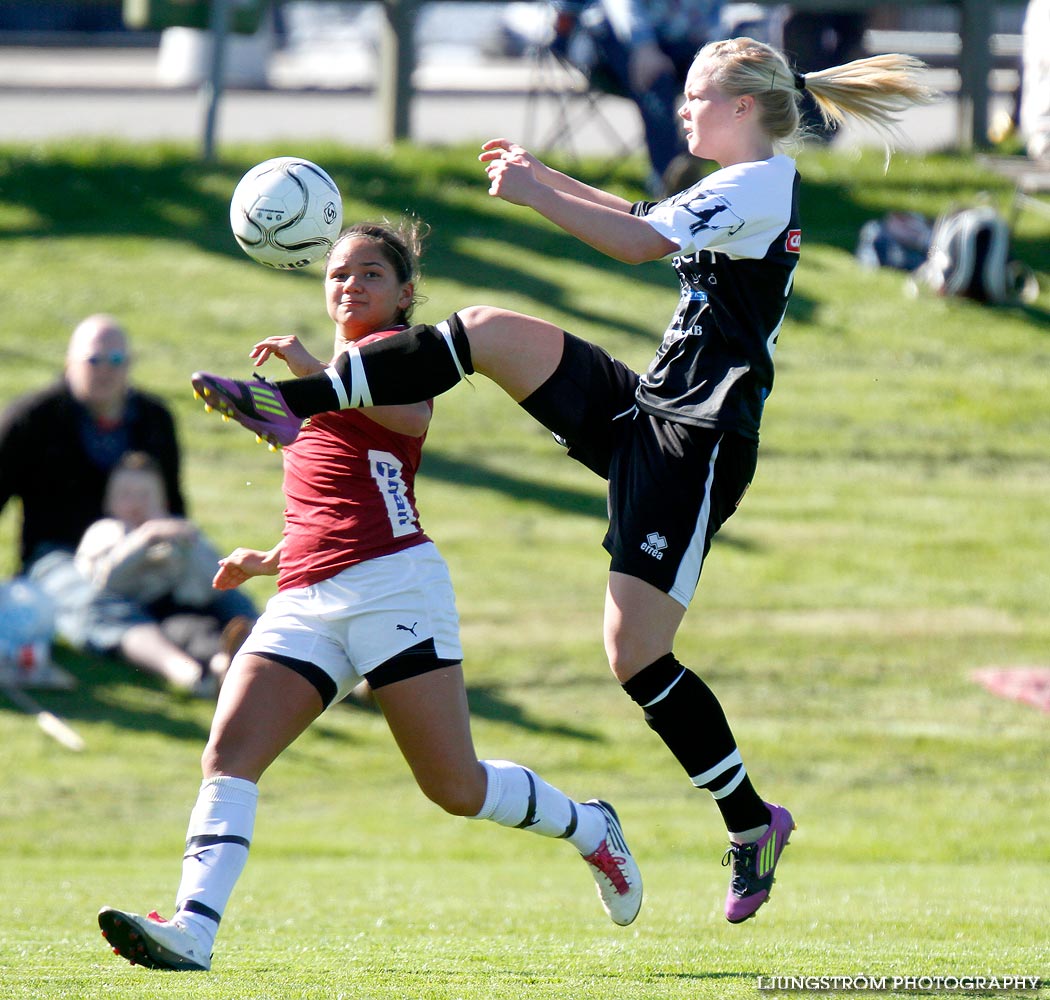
754	865
256	404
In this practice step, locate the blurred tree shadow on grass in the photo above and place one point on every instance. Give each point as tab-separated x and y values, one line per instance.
97	698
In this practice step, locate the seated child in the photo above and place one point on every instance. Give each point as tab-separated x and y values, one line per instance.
152	572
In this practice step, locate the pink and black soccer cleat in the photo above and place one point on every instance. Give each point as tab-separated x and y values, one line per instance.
754	865
256	404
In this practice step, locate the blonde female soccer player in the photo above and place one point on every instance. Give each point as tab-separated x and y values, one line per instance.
362	593
679	443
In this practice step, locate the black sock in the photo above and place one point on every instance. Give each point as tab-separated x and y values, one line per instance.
687	716
407	367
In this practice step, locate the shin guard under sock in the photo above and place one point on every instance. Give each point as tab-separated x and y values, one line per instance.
217	841
406	367
519	798
687	716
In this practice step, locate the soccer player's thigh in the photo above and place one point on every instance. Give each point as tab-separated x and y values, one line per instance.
671	487
585	402
408	649
429	718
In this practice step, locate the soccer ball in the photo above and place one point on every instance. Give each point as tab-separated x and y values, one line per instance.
286	212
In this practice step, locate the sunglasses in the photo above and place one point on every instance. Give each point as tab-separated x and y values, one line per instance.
114	358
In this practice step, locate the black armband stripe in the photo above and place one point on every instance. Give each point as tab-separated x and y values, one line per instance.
211	839
530	812
193	906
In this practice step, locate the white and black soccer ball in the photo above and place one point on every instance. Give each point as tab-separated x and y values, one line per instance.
286	212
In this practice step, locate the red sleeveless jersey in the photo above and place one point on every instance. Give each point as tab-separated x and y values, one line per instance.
349	487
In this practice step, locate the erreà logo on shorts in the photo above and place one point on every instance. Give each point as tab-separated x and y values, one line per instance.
654	545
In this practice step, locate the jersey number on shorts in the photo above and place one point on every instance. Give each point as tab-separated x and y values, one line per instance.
386	471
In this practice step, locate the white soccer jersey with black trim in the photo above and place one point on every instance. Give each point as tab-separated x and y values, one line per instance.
739	238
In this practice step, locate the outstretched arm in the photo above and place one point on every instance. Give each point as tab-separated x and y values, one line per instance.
243	564
601	220
499	149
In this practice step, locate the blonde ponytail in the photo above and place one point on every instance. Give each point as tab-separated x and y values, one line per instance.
874	91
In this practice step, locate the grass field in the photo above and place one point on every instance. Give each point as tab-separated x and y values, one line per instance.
895	540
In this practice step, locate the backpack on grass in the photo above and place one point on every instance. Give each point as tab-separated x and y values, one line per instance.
969	256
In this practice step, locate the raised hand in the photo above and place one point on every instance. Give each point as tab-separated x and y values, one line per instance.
514	173
289	349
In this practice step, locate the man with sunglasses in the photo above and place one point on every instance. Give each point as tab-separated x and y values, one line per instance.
59	444
57	448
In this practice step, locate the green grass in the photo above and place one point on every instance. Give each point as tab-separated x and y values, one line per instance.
895	540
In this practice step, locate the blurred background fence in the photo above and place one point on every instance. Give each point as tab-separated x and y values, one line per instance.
393	49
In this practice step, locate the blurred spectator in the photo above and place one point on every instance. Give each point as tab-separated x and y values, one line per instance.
1035	80
814	40
154	603
639	49
58	446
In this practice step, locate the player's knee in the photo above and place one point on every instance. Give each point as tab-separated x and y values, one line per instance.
231	758
457	794
211	759
477	317
628	657
219	757
490	329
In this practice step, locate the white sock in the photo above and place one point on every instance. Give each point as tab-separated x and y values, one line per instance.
217	841
517	797
751	836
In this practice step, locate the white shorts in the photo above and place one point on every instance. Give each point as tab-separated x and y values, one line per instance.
392	617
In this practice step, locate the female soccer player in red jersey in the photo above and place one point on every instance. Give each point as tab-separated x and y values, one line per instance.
678	444
362	594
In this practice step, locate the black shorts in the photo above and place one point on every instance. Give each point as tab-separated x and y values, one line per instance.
671	485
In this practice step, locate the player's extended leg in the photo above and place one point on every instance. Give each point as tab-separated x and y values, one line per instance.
430	721
516	351
640	625
263	707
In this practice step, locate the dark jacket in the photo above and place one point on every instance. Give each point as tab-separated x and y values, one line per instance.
57	460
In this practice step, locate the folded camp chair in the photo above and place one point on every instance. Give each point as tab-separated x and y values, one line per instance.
563	101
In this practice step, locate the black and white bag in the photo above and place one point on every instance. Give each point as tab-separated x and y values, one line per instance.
969	255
